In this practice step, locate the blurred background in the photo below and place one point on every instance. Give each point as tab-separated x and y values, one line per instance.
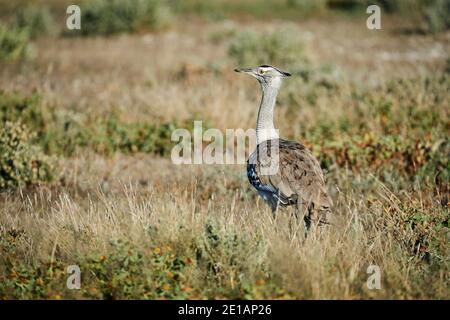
84	112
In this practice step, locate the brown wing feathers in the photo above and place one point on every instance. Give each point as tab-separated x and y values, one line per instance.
298	180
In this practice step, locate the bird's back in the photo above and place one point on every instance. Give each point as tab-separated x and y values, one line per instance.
298	179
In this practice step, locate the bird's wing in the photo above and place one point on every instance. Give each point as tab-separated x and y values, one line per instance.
298	176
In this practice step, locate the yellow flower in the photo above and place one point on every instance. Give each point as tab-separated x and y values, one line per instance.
260	282
166	287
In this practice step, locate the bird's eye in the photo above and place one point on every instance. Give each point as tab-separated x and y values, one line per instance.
261	71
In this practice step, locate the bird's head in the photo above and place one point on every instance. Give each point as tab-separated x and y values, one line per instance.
266	75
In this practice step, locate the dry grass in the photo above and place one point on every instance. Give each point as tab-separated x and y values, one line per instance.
208	215
70	224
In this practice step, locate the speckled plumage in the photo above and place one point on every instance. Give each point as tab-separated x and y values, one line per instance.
298	181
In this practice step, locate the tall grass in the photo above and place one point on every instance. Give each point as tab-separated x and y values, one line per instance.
149	244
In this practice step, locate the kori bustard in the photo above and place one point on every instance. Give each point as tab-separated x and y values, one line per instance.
296	179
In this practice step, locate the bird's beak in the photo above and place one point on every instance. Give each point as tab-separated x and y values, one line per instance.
244	70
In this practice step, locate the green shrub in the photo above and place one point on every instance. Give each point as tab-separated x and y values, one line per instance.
29	110
62	132
15	107
36	20
112	135
106	17
308	6
281	48
220	252
14	43
21	162
217	263
119	274
123	272
437	16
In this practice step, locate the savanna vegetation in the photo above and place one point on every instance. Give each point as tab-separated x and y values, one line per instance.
86	179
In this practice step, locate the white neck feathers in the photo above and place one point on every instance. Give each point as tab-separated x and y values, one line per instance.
265	129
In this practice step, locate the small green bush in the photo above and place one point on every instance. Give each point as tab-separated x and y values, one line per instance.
29	110
216	264
14	43
107	17
308	6
37	21
21	162
62	132
281	48
112	135
133	274
437	16
15	107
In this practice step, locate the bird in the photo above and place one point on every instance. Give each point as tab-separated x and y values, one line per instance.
285	173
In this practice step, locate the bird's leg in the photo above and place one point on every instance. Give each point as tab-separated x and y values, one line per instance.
307	224
274	213
294	224
292	229
310	221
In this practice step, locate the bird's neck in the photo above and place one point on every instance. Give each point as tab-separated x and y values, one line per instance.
265	129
